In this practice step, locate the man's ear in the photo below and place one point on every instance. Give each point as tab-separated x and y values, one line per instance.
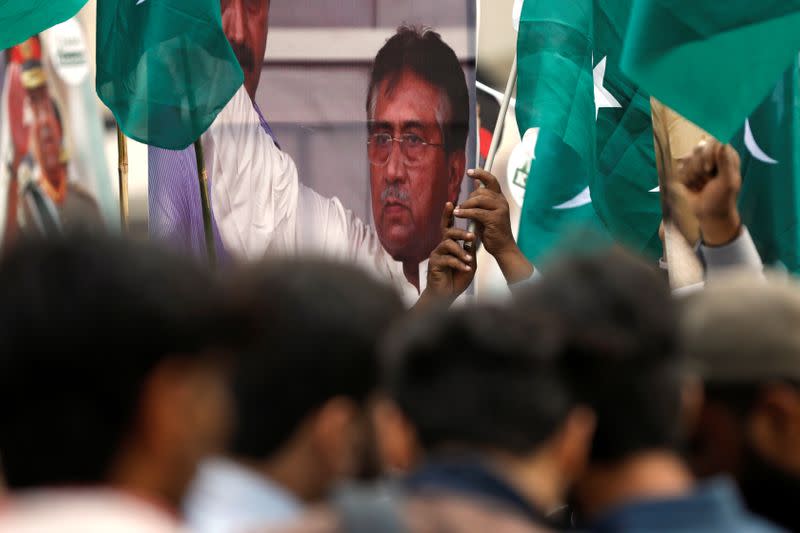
334	429
179	420
184	405
573	443
397	441
161	416
457	166
774	422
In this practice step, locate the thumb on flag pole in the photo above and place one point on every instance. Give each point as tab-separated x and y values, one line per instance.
498	129
516	13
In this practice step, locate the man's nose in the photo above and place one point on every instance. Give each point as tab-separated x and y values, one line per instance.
233	23
396	166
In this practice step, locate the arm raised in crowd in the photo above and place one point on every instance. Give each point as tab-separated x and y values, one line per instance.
711	181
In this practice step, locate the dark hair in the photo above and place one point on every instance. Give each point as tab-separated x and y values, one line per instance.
477	378
320	324
83	321
621	348
738	397
422	51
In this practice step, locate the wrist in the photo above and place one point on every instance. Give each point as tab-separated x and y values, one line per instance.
431	296
514	265
721	229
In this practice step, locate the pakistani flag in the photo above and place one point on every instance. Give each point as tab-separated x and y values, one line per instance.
21	19
712	62
769	146
164	68
594	163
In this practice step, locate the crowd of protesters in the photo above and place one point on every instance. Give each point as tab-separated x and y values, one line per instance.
140	392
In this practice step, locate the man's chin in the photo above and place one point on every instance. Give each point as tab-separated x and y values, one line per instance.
399	242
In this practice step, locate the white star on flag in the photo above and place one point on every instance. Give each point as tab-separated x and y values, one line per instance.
602	98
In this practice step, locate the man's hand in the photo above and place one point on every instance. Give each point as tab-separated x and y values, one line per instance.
450	268
712	180
489	209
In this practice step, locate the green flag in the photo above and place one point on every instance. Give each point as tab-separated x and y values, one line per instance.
570	86
164	67
712	62
21	19
769	146
557	201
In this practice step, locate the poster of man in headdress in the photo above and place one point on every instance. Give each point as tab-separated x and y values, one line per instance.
46	201
55	175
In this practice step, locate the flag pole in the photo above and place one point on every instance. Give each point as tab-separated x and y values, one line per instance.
202	179
498	130
122	167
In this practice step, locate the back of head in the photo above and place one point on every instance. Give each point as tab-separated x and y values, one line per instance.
319	326
83	321
477	379
742	330
621	348
422	52
742	336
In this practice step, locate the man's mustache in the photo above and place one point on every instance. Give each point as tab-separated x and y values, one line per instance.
244	54
395	193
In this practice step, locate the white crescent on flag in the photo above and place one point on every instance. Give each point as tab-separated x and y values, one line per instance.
753	147
584	197
602	99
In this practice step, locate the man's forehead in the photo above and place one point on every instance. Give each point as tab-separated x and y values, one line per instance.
401	124
407	84
406	98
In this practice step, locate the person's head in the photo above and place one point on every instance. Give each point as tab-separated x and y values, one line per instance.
621	349
302	393
113	361
485	381
42	117
743	337
246	24
417	93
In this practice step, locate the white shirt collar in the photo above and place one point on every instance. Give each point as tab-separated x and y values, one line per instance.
227	497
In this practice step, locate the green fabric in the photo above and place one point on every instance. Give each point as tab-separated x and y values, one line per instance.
21	19
560	44
712	61
770	198
164	68
554	176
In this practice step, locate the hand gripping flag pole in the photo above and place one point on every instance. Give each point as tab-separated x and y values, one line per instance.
202	179
675	137
122	167
498	129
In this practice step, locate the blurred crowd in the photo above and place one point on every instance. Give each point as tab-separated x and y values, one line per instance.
140	392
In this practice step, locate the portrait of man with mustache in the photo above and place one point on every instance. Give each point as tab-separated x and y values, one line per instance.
417	115
418	119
